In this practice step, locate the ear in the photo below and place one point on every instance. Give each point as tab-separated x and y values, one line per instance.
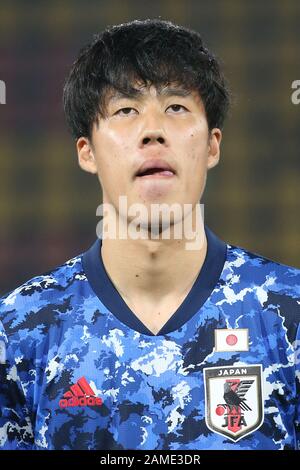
215	138
86	157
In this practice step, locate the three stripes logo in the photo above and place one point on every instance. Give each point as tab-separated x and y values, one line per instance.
80	394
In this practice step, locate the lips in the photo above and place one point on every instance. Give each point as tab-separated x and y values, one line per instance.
155	167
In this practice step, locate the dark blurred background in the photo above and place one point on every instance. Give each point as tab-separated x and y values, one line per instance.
47	204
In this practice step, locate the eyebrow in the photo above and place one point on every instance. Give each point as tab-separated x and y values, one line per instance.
140	95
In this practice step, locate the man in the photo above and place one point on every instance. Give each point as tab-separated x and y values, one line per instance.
145	341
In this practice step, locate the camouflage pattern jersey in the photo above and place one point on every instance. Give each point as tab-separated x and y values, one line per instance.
80	371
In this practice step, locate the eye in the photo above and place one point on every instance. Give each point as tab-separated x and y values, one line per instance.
176	106
125	111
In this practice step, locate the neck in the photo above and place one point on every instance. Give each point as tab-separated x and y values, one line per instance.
153	271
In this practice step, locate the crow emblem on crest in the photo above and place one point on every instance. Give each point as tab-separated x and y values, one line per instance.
234	394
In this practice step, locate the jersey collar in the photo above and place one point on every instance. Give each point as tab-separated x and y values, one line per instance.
203	286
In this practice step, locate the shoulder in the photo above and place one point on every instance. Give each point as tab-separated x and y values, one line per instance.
273	285
30	304
258	268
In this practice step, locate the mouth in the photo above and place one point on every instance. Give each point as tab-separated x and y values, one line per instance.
155	169
156	173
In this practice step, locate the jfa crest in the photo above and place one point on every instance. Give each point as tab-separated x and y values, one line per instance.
233	400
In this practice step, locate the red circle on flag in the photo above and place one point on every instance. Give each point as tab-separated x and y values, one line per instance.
231	340
220	410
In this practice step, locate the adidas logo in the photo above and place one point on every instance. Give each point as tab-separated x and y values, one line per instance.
80	394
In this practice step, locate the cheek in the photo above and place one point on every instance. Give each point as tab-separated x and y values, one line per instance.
194	141
110	151
197	151
119	136
117	153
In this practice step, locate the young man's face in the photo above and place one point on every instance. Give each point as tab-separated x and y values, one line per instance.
168	130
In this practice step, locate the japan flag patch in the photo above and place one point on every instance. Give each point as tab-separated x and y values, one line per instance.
227	340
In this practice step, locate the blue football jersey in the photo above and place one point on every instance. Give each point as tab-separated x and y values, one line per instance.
79	370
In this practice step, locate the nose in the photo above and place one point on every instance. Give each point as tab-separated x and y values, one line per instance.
153	131
152	127
153	136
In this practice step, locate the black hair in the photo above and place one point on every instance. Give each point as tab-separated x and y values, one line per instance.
151	51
